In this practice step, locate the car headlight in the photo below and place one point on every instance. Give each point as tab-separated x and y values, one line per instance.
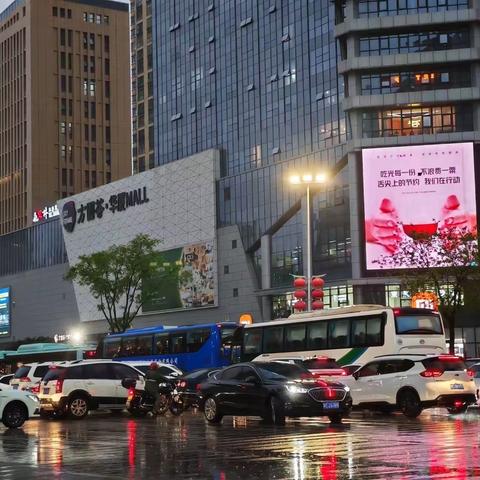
347	389
33	397
296	389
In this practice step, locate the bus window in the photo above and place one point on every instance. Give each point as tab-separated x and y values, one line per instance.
177	343
137	346
338	333
295	338
317	335
375	331
252	341
112	347
272	339
197	338
359	332
162	344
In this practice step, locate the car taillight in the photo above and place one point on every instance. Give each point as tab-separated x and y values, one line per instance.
182	384
59	386
197	387
131	393
432	372
344	373
458	403
450	358
90	354
470	373
35	389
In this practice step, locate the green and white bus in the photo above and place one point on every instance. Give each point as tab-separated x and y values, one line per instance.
351	335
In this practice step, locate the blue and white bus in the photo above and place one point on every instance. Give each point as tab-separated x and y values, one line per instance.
187	347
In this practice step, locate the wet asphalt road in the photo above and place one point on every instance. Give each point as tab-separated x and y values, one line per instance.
367	446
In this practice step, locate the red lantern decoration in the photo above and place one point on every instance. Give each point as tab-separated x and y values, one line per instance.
299	282
318	282
317	305
317	293
300	294
300	305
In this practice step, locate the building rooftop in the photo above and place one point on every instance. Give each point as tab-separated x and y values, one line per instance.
10	9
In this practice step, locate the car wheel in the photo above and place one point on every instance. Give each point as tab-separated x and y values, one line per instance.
409	404
457	410
276	412
78	407
335	418
14	415
211	411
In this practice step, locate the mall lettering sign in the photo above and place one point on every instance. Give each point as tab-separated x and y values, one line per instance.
73	213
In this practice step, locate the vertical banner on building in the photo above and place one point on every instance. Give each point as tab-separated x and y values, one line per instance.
415	191
5	311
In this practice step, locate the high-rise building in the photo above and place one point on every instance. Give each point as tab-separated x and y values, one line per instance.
64	103
142	84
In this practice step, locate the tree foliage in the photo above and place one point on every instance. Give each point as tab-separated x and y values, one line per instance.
444	264
114	277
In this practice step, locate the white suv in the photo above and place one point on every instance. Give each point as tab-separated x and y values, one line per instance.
410	383
80	386
27	376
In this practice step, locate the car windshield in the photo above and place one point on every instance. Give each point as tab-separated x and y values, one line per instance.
321	363
418	324
282	371
53	374
22	372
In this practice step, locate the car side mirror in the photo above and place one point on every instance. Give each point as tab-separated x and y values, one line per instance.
129	383
251	379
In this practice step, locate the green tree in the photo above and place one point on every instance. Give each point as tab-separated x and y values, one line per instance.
114	277
444	264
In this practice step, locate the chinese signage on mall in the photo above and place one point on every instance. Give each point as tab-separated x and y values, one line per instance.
414	191
45	214
73	214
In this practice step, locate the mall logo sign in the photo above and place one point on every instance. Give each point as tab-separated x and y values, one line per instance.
96	209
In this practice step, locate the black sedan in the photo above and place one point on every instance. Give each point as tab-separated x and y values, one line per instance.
273	391
188	386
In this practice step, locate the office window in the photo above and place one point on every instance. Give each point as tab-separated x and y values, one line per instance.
62	12
71	177
64	176
63	37
86	132
63	106
107	134
63	83
107	66
92	88
85	40
92	41
99	19
91	17
107	88
108	156
94	156
107	43
93	131
93	110
85	16
85	109
94	179
92	64
235	292
87	179
107	112
70	38
55	11
106	19
86	154
63	151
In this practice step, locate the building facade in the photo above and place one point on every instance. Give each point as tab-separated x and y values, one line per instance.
64	110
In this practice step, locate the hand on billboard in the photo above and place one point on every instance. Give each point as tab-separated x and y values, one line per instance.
454	217
384	229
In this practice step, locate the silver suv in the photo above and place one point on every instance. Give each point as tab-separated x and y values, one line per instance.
78	387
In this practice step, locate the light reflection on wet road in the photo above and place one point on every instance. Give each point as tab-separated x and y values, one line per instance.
365	447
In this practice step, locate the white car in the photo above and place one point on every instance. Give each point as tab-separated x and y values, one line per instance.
16	406
475	369
29	375
80	386
411	383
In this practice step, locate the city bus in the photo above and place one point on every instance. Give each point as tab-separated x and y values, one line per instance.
187	347
351	335
46	352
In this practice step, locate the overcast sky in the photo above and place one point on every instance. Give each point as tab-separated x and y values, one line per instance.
5	3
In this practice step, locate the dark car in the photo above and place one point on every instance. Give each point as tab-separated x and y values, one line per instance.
273	391
188	386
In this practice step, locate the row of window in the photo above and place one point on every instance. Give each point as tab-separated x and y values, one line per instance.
323	335
417	121
414	42
394	82
90	17
61	12
159	344
380	8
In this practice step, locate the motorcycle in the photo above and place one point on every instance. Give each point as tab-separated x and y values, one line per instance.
140	402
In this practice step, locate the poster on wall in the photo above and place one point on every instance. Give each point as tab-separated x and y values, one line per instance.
415	191
5	311
191	285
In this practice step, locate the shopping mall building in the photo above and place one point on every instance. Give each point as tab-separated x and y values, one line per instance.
383	97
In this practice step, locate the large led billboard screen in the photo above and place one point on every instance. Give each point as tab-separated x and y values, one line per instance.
5	311
415	190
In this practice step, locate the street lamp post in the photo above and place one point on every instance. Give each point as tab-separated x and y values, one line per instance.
309	180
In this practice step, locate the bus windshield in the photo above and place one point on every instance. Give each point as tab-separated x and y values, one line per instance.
418	324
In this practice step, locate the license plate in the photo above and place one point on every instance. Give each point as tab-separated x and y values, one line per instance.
46	391
457	386
331	405
15	387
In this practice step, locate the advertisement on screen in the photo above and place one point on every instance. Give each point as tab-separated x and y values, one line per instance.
415	191
5	311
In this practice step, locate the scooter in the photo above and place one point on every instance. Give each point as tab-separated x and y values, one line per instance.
140	402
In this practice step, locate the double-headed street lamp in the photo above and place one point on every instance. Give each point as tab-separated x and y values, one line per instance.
310	180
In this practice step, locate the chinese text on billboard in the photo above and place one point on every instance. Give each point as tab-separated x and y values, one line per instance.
4	311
